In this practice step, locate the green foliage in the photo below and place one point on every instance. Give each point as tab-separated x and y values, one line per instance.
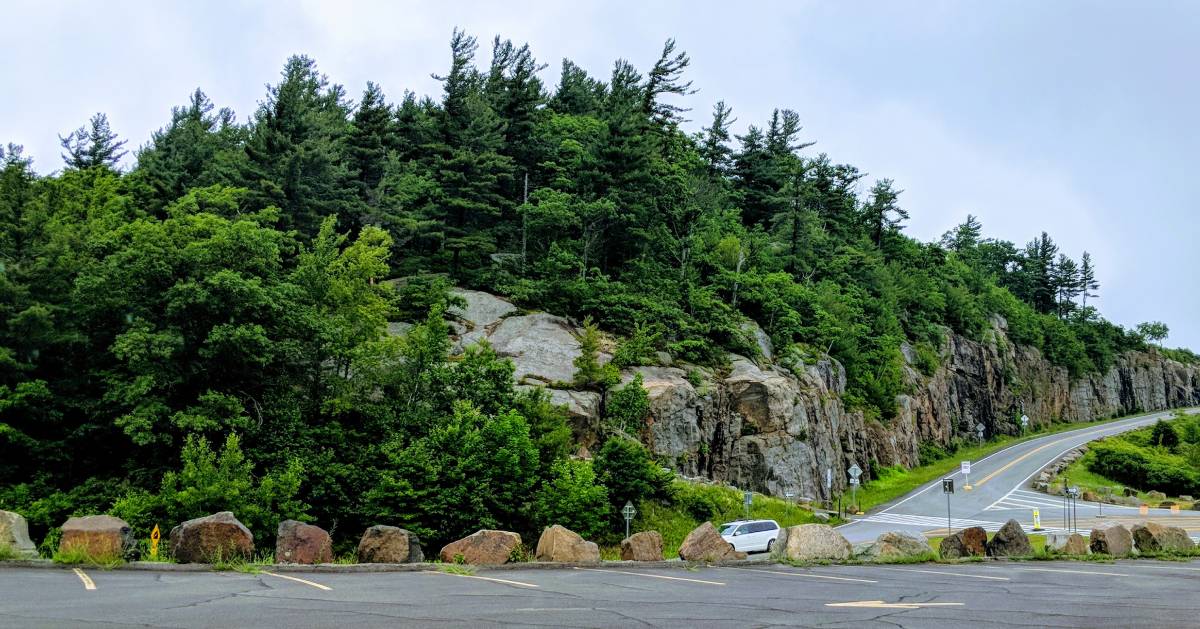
627	408
589	372
574	498
1163	435
624	466
637	349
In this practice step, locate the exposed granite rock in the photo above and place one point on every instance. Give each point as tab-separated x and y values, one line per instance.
1111	538
482	548
561	544
14	534
100	537
969	542
219	536
389	544
705	543
895	545
297	542
1066	544
644	546
1152	537
1010	541
815	542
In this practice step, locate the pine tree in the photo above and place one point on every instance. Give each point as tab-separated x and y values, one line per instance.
964	237
1087	278
714	146
95	145
666	77
369	139
883	214
1066	282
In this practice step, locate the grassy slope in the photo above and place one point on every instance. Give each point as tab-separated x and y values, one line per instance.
894	483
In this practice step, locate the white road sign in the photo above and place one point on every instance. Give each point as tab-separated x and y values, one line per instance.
966	467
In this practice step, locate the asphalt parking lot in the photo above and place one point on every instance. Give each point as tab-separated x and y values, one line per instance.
995	594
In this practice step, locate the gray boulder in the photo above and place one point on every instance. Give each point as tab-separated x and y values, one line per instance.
705	543
1152	537
816	542
1066	544
895	545
1010	541
1111	538
389	544
99	537
14	534
969	542
216	537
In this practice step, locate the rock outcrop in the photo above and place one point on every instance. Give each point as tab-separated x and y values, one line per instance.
969	542
99	537
14	535
297	542
644	546
705	543
482	548
216	537
776	423
560	544
1010	541
1152	537
1111	538
389	544
815	542
896	545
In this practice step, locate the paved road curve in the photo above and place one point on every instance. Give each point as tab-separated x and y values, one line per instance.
1000	491
998	594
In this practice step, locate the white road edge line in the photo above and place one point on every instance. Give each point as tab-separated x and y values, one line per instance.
1105	574
88	584
493	580
299	580
652	576
805	574
950	574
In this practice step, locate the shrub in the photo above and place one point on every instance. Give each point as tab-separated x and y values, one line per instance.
573	498
1164	435
626	469
627	408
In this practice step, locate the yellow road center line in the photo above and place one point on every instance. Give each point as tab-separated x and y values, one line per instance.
805	574
1106	574
471	576
950	574
1033	452
298	580
88	584
653	576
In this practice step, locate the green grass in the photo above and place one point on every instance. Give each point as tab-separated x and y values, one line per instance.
80	556
721	504
253	565
7	552
459	569
893	483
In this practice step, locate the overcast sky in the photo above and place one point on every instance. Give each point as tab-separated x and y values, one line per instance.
1078	118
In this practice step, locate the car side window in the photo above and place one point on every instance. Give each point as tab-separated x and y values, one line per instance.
759	527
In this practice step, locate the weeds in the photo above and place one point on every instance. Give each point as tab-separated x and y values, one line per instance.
7	552
75	556
457	568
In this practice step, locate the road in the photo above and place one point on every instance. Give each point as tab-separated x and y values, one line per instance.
1000	491
994	594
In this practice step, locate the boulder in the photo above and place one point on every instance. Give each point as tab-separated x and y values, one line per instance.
215	537
1152	537
14	534
644	546
705	543
895	545
100	537
484	547
1066	544
561	544
1111	538
297	542
389	544
969	542
1089	496
1129	492
821	516
1010	541
816	542
1186	498
1155	495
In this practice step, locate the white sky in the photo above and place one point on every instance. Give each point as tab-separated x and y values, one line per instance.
1078	118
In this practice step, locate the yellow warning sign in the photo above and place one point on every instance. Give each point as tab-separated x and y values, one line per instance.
155	535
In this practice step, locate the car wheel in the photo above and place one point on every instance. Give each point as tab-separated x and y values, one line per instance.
770	545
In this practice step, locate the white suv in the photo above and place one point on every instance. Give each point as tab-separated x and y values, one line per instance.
751	536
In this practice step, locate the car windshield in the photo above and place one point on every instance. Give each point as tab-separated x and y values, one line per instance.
728	529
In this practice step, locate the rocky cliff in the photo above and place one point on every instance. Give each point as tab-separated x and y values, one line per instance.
760	425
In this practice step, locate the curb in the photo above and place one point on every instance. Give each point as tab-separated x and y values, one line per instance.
366	568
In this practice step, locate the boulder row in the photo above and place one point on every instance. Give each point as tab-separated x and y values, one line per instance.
215	537
1152	537
644	546
969	542
815	542
1010	541
705	543
100	537
297	542
389	544
482	548
1111	538
561	544
14	534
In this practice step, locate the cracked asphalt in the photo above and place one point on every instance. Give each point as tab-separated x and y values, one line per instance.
993	594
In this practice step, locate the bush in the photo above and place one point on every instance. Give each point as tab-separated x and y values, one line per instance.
626	469
628	407
1129	464
1164	435
573	498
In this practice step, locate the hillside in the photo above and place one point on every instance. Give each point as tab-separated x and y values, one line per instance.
208	329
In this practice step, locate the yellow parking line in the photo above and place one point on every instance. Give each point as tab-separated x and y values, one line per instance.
1106	574
653	576
88	584
304	581
471	576
950	574
805	574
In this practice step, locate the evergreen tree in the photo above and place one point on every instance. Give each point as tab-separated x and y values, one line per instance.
92	146
714	147
883	214
369	140
1087	278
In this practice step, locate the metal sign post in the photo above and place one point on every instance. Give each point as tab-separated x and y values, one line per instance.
1073	497
965	468
979	432
747	498
1024	423
855	471
948	488
628	511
